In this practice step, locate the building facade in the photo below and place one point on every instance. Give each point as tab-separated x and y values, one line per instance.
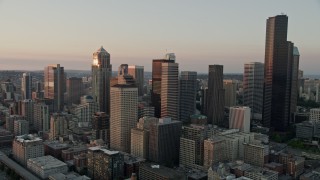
188	93
239	118
74	90
137	72
26	86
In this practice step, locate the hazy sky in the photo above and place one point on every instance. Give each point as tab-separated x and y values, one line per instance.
36	33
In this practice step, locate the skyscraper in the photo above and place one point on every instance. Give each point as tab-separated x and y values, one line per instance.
215	97
101	73
170	91
278	74
137	72
124	110
188	93
253	78
239	118
294	82
230	88
100	126
55	85
74	90
156	83
26	86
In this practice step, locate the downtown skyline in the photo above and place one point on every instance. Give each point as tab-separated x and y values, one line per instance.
135	33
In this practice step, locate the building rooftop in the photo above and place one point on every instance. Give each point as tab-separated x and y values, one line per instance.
28	138
109	152
56	144
46	162
69	176
162	171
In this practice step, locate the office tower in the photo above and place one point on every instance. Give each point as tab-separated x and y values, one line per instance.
278	72
27	110
38	93
26	86
156	83
239	118
191	146
188	93
230	89
100	126
256	153
164	141
45	166
55	85
214	151
42	110
21	127
215	98
25	147
124	111
170	91
295	83
101	74
104	164
86	109
74	90
137	72
253	79
58	125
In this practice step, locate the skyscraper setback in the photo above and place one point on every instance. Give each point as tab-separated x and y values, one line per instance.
55	85
215	97
101	73
278	74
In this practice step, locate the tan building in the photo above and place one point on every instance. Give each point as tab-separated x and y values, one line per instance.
58	125
25	147
21	127
256	154
123	112
214	151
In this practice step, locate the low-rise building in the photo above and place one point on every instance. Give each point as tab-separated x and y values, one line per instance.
153	171
257	173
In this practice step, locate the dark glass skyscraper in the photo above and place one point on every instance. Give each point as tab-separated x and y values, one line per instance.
101	73
278	74
188	93
215	97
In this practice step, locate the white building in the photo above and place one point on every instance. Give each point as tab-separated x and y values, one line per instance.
239	118
315	115
46	165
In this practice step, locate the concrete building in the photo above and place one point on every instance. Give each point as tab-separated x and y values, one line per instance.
100	127
27	110
188	93
230	89
21	127
137	72
152	171
256	154
214	151
45	166
41	114
74	90
25	147
239	118
192	146
58	125
256	173
315	115
104	164
55	85
10	119
164	141
305	130
101	74
215	98
170	91
26	86
253	79
86	109
124	111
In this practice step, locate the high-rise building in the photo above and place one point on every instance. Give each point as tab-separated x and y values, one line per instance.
10	119
58	125
256	154
55	85
137	72
278	74
104	164
156	82
230	89
170	91
74	90
188	93
86	109
191	146
124	110
214	151
27	110
253	79
26	86
294	82
21	127
25	147
101	74
239	118
164	141
42	110
100	126
215	97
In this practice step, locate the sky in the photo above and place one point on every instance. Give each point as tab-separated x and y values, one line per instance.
36	33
